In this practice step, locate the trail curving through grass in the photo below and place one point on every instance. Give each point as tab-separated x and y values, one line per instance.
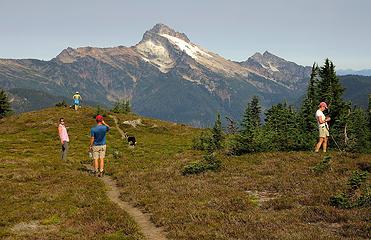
149	230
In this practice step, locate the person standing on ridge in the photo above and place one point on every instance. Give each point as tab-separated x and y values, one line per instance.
63	135
76	100
322	127
98	144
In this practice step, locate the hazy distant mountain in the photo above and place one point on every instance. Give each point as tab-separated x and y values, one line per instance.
165	76
364	72
357	89
287	73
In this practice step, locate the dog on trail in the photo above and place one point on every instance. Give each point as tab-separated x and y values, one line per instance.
131	140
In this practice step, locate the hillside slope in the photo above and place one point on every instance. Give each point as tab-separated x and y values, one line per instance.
256	196
44	198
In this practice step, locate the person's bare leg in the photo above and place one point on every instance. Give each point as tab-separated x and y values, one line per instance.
96	164
101	164
318	146
324	144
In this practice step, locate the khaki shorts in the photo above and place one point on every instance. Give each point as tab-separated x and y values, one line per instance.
99	151
323	132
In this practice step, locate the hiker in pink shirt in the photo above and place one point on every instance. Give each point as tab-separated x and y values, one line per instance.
63	135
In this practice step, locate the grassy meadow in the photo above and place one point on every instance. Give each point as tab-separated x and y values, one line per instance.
44	198
255	196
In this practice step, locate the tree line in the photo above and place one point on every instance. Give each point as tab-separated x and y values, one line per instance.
288	129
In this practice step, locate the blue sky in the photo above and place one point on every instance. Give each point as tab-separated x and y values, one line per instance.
301	31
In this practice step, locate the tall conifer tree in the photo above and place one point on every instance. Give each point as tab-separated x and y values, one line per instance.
5	108
217	133
311	101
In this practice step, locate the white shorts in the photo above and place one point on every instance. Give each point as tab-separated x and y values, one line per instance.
99	151
323	132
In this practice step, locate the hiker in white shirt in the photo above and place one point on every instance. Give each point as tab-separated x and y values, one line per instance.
322	127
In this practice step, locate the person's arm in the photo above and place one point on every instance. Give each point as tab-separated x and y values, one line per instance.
105	124
320	120
60	133
91	142
91	139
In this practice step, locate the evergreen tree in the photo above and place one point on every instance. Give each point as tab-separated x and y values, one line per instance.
255	112
245	140
282	128
121	106
5	108
217	134
330	91
357	131
310	102
127	107
247	124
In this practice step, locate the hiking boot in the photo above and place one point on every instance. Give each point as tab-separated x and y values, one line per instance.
101	173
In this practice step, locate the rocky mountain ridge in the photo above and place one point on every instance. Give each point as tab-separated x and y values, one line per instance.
165	75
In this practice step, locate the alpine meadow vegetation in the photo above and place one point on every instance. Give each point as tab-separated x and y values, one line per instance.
260	181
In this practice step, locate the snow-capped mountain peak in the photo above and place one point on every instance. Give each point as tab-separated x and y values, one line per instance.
164	29
162	47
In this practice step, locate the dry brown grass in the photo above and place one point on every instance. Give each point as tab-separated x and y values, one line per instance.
255	196
44	198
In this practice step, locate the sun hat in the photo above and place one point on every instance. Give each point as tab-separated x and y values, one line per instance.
323	104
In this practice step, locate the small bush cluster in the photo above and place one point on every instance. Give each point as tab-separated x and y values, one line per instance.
100	111
209	141
121	106
323	165
61	104
356	196
357	178
203	141
209	162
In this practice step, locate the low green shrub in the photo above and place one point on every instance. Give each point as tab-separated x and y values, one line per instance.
340	201
100	111
357	178
323	165
355	196
365	199
210	162
61	104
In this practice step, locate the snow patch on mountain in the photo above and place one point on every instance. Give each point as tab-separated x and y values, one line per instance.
190	79
190	49
156	54
273	68
270	67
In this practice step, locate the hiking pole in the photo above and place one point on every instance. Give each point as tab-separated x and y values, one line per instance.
333	139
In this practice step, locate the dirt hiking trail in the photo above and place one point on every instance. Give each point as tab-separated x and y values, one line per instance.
149	230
